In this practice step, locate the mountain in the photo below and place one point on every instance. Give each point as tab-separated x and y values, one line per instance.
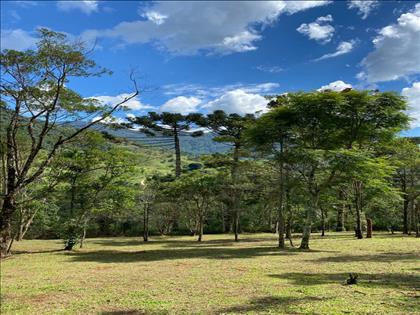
191	145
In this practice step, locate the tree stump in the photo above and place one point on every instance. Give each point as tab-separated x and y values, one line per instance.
369	228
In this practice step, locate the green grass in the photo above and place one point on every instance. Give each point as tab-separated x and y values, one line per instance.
176	275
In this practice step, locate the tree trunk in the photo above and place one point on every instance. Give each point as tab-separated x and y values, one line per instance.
236	225
236	198
305	236
369	228
341	210
24	226
357	186
200	227
405	214
281	226
82	239
310	211
322	222
7	212
417	209
308	223
177	153
146	223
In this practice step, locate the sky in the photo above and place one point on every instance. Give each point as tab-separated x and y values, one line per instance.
202	56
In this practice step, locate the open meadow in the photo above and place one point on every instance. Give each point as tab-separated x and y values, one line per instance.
177	275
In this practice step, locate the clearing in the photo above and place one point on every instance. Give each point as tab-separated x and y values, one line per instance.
177	275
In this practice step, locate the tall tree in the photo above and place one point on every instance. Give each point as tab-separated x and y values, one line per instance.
272	134
36	96
166	129
229	128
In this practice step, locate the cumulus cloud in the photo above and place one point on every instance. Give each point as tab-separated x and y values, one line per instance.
190	27
342	49
17	39
181	104
85	6
132	104
364	7
319	30
336	86
413	97
397	47
238	101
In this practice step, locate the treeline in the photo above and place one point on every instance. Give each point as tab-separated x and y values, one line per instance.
315	161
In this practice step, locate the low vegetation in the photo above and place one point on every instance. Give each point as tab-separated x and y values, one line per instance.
177	275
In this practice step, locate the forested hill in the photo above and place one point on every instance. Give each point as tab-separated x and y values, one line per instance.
191	145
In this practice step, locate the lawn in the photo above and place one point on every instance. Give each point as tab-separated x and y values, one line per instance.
176	275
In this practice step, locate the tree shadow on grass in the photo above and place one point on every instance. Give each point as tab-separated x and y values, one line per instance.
20	252
114	256
269	303
176	243
385	257
410	282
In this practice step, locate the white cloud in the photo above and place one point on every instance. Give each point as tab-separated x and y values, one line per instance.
87	7
181	104
190	27
238	101
206	92
397	47
17	39
269	69
342	48
319	30
109	120
336	86
364	7
132	104
155	17
413	97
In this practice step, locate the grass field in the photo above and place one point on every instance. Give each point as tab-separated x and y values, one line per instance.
176	275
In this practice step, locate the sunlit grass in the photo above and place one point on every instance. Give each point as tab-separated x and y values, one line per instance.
177	275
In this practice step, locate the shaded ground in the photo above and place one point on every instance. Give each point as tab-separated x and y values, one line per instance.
176	275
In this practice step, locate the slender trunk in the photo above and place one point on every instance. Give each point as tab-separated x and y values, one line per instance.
24	226
177	154
322	221
82	239
341	210
236	225
281	230
200	227
281	220
358	207
369	228
223	218
146	223
417	209
308	220
236	198
405	214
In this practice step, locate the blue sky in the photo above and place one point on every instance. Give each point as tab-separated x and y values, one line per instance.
226	55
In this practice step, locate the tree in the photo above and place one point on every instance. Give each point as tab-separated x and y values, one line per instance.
166	129
148	194
406	156
272	134
198	187
34	89
229	128
94	173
